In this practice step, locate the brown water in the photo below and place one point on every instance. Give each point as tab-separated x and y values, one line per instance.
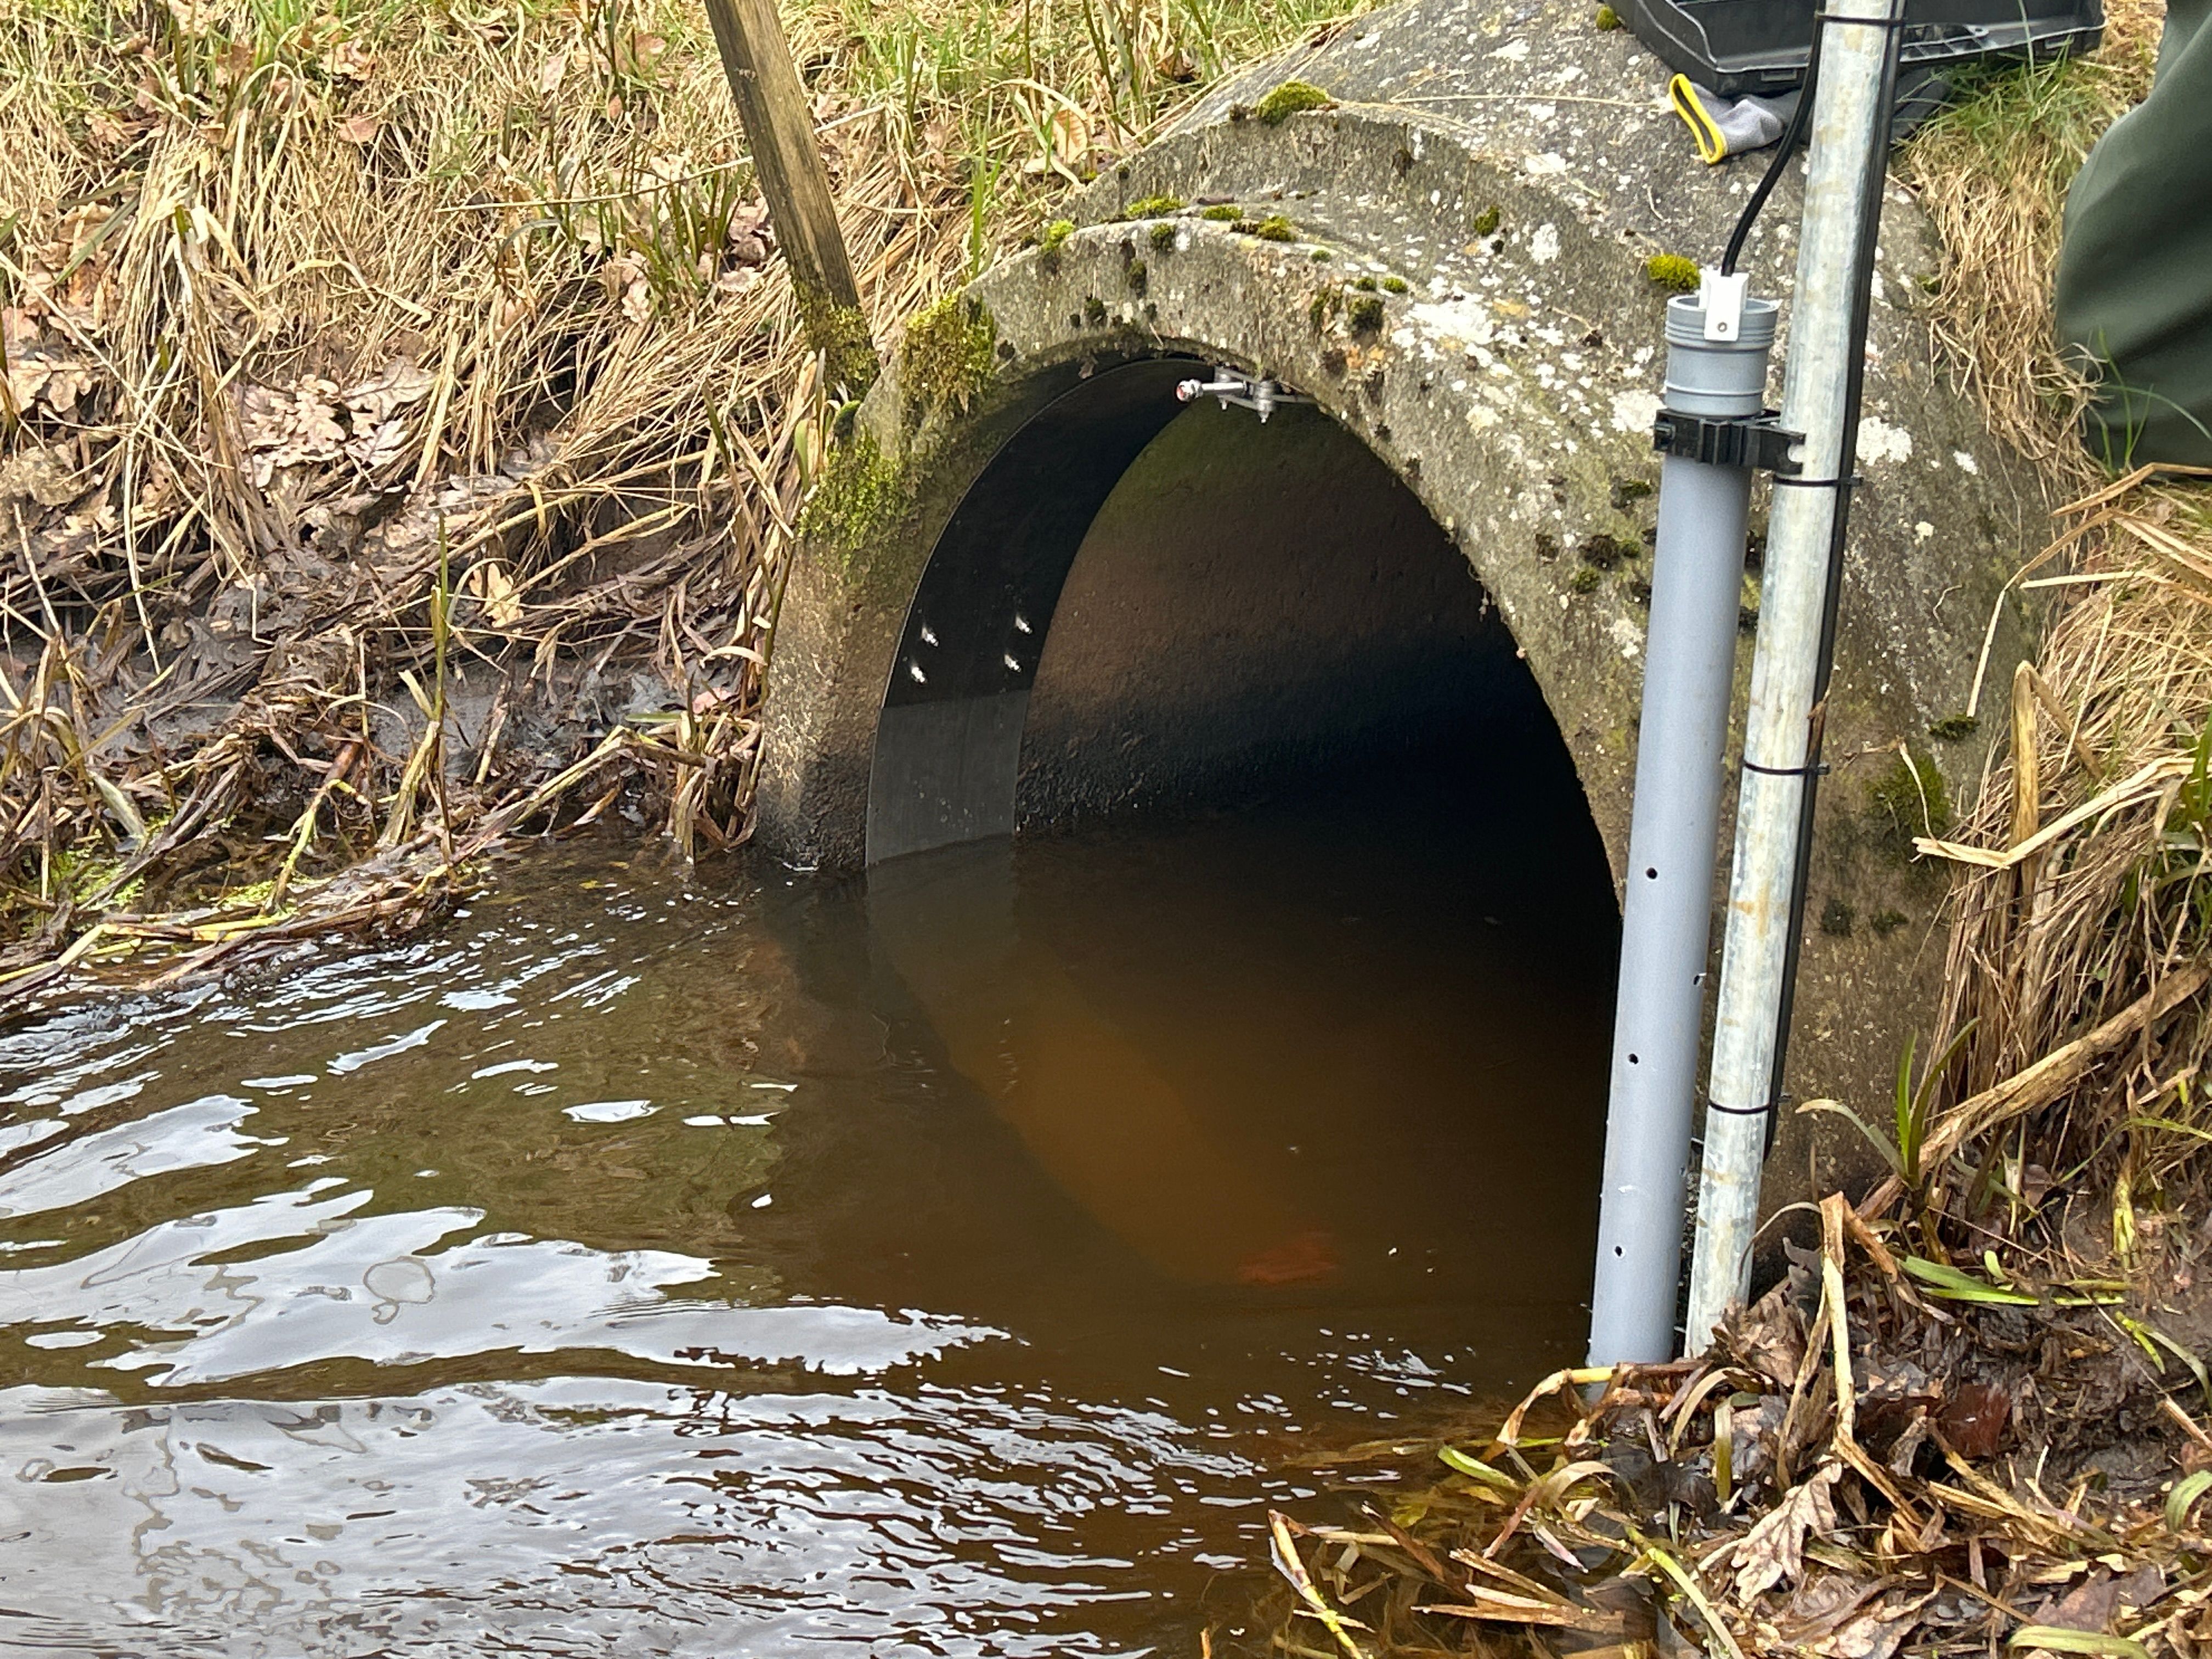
749	1263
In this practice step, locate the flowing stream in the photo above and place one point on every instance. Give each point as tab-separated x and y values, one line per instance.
960	1262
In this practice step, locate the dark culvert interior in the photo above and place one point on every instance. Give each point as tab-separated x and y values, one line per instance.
1297	976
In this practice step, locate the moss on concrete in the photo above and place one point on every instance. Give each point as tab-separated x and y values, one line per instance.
1910	799
948	357
1396	285
1275	227
1153	207
1137	276
1486	223
1164	237
1365	313
1953	729
1049	244
840	333
1673	272
1224	213
1607	19
1289	99
1328	304
862	496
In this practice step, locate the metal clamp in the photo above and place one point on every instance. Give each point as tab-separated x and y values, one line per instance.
1262	397
1752	441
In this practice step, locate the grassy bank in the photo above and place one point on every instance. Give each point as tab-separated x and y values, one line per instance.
404	417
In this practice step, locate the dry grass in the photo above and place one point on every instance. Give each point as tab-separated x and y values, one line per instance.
365	362
1887	1456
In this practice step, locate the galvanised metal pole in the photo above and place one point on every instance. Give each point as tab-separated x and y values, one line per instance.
1781	744
1697	584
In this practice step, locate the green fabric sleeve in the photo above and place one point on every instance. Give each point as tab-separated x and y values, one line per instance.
2135	269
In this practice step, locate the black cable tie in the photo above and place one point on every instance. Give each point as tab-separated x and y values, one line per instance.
1767	1110
1813	769
1837	484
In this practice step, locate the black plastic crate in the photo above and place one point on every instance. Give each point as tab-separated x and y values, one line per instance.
1747	48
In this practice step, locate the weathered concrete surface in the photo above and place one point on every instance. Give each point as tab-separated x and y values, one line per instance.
1513	168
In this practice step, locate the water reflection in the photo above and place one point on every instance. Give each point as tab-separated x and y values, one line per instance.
940	1265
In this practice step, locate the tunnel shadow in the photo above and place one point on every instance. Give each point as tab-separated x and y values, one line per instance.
1307	922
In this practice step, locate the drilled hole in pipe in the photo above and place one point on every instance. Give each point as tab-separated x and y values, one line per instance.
1651	875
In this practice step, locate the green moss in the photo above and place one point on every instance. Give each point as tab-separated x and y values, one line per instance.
1094	312
1365	313
1585	579
1626	491
840	334
1291	98
1328	304
1486	223
1886	922
1223	213
1050	243
1908	799
1836	917
1137	276
946	361
1153	207
1953	729
1164	237
1275	229
1321	256
1672	272
1365	284
1606	19
862	494
1396	285
1604	552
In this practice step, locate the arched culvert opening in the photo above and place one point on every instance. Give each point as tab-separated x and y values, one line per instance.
1347	1037
1139	607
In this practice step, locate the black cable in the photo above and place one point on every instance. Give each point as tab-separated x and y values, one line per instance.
1870	194
1783	150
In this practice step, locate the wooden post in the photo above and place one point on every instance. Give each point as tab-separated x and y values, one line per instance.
772	104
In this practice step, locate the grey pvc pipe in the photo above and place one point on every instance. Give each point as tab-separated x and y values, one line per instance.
1850	132
1697	579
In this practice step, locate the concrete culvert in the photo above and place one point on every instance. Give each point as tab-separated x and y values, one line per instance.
1450	258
